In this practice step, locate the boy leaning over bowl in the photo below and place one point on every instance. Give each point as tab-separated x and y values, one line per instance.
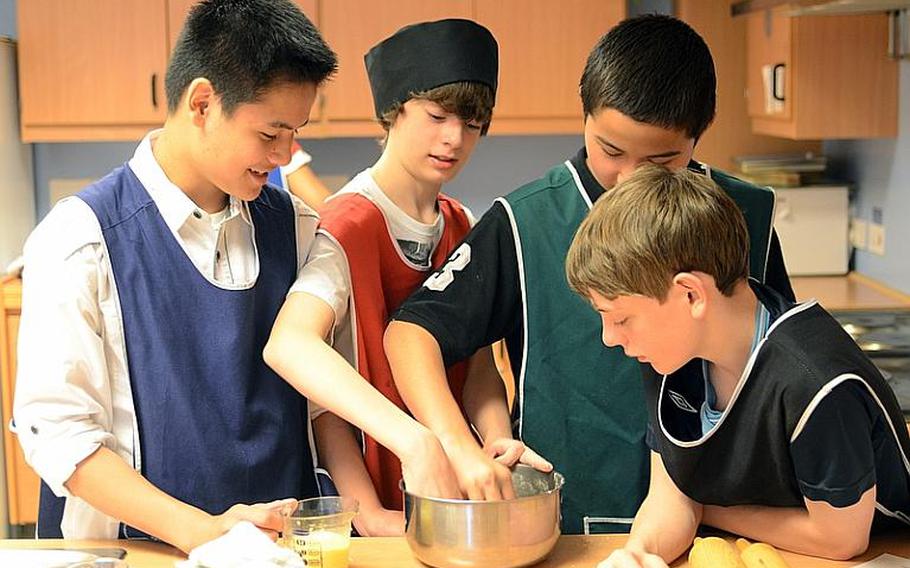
382	235
766	419
648	93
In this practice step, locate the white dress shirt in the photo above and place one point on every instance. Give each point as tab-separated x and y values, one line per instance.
72	389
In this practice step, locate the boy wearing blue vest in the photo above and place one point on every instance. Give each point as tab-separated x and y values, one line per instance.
143	401
765	418
648	92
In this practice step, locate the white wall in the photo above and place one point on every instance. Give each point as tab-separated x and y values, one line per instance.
881	171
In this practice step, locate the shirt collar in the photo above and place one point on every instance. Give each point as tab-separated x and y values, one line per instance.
173	204
589	183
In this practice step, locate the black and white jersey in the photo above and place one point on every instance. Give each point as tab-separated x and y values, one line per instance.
810	418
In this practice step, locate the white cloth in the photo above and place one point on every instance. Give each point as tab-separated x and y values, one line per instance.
244	546
298	159
72	388
327	276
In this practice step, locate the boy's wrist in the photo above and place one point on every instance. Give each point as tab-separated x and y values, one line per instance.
420	444
498	432
454	442
192	527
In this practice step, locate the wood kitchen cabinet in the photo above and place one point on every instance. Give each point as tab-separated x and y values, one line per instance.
731	132
91	69
820	77
21	481
94	69
542	53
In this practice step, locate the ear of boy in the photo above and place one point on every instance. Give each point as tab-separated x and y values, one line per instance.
200	95
692	288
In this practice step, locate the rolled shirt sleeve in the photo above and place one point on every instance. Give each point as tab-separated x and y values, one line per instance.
65	399
326	276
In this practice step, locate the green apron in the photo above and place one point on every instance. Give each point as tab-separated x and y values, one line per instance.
580	404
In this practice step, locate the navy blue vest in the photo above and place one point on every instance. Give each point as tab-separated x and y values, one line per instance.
216	425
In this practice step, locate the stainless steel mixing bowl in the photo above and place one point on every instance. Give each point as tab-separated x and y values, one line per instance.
450	533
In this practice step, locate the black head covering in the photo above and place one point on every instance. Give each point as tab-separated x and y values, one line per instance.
424	56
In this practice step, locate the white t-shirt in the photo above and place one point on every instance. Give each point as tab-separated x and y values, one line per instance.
299	158
326	274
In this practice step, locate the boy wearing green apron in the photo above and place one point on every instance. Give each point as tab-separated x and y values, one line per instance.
648	92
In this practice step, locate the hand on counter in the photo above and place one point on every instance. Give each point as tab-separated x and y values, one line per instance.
632	558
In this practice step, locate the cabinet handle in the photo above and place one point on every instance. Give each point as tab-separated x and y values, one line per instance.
777	82
154	90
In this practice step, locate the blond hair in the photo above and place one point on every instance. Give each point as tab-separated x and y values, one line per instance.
652	226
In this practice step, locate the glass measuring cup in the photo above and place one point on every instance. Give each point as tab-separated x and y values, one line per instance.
319	530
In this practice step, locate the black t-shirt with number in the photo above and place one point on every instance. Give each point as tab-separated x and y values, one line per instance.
482	302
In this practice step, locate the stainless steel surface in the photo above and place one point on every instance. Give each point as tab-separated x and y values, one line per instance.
885	338
878	333
896	371
449	533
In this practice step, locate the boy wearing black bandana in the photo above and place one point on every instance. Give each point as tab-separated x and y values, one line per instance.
766	419
434	85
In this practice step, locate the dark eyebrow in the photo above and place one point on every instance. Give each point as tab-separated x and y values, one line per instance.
286	126
670	154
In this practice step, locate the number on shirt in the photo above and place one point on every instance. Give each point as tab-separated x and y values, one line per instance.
441	279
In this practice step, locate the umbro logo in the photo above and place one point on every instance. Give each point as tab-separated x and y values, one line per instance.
681	402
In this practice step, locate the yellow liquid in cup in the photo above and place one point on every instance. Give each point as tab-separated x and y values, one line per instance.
322	549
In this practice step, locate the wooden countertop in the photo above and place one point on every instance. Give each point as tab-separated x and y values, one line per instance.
851	292
570	552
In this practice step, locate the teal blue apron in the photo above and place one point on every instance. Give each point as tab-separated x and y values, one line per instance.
580	404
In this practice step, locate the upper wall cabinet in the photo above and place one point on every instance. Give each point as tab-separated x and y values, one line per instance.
542	52
92	69
820	77
77	83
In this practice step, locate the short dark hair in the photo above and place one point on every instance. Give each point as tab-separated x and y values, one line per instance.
654	69
244	47
470	101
